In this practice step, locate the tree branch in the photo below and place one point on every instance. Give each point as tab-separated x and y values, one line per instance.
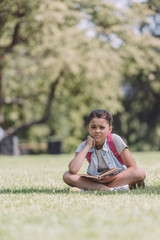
52	95
15	38
47	112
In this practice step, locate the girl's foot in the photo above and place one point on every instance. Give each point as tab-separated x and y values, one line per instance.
121	188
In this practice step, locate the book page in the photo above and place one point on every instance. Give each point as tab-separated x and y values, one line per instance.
105	173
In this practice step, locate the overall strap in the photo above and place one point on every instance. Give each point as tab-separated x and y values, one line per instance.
113	149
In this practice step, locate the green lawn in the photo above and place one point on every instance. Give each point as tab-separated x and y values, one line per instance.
35	204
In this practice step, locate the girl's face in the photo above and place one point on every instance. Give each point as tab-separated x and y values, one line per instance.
98	128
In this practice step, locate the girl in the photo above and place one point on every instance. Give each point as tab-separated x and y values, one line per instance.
102	158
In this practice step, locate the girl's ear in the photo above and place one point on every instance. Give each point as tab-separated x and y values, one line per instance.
110	129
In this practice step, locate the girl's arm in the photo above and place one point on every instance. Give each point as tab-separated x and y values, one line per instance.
127	158
78	160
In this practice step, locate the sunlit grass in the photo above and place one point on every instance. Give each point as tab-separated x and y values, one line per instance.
36	204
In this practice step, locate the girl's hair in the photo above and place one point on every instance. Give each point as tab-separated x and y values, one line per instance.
100	113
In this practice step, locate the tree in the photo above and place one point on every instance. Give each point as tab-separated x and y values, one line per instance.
140	118
62	59
59	71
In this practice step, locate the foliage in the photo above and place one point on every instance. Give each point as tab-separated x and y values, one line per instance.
62	59
58	53
140	118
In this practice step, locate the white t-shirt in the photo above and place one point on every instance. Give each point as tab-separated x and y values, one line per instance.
102	165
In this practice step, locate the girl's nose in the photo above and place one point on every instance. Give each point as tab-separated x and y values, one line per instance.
97	130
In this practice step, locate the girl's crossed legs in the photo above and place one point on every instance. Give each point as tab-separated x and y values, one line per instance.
130	176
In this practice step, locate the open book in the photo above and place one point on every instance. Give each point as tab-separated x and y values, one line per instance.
100	176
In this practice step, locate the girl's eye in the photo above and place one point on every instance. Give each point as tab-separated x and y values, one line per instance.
101	128
93	127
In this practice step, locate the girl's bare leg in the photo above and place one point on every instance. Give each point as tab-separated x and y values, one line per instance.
74	180
129	176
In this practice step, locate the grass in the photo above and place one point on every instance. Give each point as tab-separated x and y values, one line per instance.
36	204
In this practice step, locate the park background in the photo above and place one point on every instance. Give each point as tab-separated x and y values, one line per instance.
62	59
58	61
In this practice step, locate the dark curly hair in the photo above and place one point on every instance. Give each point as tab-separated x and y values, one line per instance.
100	113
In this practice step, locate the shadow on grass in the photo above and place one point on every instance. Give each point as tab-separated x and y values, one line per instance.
34	190
26	190
148	190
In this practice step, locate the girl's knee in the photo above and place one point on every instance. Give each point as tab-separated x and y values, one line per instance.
141	174
66	177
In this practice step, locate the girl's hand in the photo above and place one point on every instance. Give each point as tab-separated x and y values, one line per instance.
90	141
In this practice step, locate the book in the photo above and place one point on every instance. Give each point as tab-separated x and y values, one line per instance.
100	176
